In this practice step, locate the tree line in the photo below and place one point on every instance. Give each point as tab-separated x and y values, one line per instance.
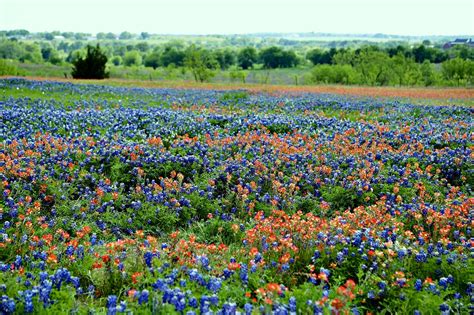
369	65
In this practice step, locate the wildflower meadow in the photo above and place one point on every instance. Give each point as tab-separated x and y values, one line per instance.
120	200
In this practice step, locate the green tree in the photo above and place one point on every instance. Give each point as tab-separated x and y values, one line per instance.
374	67
7	68
334	74
116	60
344	57
100	35
320	57
225	58
247	57
75	55
132	58
405	70
11	49
48	36
55	58
32	54
240	75
142	46
125	35
110	36
428	73
92	66
458	71
275	57
201	62
172	55
463	52
153	60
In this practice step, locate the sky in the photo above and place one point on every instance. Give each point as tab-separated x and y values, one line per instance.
401	17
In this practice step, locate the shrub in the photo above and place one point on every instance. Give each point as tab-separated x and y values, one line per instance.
92	66
132	58
334	74
117	60
7	68
458	70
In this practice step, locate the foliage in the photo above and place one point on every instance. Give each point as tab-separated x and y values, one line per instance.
172	55
117	60
201	63
276	57
152	60
458	70
336	74
132	58
7	68
92	66
247	57
319	57
226	58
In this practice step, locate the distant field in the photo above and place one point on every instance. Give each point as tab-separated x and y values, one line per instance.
459	96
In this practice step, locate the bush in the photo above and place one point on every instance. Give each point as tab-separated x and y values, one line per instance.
153	60
458	71
247	57
92	66
117	60
275	57
132	58
202	63
7	68
332	74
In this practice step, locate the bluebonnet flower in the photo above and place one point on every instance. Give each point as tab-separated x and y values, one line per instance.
143	297
111	304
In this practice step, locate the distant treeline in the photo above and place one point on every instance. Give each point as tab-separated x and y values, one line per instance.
421	64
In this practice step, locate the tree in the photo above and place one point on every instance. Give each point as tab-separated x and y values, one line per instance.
225	58
48	36
125	35
100	35
46	52
153	60
405	70
117	60
144	35
132	58
32	54
463	52
201	62
92	66
142	46
320	57
55	58
247	57
458	70
75	55
6	68
373	66
276	57
10	49
110	36
172	55
428	73
344	57
339	74
240	75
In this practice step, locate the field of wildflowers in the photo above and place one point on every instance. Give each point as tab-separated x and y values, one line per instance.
187	201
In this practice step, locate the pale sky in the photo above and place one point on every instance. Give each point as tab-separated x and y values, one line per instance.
402	17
